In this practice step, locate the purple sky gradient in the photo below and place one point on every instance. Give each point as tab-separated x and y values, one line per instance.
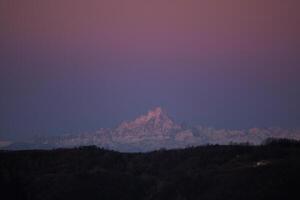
80	65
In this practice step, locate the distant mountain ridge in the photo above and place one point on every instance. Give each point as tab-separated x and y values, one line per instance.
156	130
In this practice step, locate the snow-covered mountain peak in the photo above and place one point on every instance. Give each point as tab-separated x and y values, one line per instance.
156	118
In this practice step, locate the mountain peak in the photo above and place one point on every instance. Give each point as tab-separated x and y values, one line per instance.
155	118
156	112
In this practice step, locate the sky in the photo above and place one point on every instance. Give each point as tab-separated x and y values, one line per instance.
78	65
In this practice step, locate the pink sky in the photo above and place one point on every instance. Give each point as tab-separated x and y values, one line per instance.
170	52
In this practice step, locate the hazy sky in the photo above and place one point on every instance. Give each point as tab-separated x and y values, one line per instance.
73	65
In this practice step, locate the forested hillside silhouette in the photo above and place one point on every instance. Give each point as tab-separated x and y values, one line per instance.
237	171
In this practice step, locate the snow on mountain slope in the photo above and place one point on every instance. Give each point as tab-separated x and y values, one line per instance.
156	130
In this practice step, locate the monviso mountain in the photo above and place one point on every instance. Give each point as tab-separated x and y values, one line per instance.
156	130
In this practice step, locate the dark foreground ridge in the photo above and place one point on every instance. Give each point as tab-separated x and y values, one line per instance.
270	171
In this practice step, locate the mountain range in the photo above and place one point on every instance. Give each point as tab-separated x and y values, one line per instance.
152	131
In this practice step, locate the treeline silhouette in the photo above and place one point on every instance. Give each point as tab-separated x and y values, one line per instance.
268	171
